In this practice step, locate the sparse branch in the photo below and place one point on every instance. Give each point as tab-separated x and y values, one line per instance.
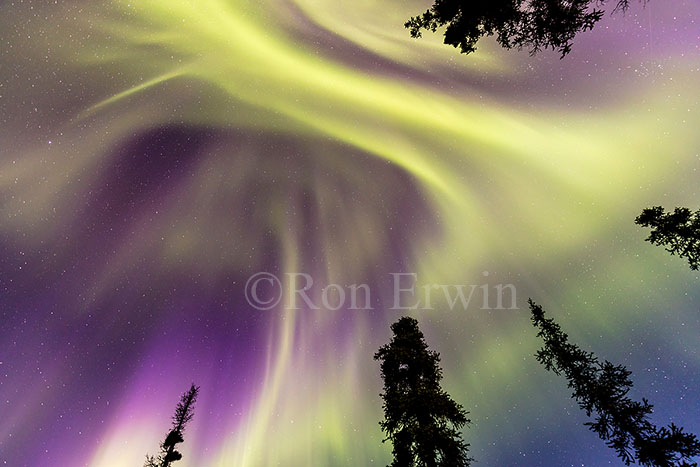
183	415
677	231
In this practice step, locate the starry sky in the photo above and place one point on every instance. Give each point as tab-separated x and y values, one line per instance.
156	154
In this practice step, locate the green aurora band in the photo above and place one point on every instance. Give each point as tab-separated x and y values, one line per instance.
497	164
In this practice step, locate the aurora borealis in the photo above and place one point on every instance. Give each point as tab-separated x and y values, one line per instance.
156	154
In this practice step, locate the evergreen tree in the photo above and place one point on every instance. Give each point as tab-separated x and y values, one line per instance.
601	388
420	419
531	24
183	414
678	231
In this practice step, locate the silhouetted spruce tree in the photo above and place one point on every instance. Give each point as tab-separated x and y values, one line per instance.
183	414
420	419
601	388
530	24
678	231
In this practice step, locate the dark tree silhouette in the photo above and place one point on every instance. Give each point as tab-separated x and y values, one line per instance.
420	419
183	414
529	24
601	388
678	231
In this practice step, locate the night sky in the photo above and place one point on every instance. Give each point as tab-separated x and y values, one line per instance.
156	154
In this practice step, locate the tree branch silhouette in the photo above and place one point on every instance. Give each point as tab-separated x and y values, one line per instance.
601	388
677	231
183	414
529	24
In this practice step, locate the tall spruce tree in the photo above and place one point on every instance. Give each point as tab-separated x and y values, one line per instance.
420	419
183	414
601	388
678	231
